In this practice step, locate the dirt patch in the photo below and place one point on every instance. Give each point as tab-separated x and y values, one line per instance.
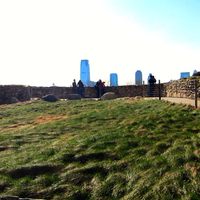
33	170
48	118
15	126
193	168
39	120
197	153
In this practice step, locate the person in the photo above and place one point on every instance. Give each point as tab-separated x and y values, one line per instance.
151	82
100	87
81	88
74	86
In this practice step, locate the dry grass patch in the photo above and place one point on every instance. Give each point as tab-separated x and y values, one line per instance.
15	127
193	168
49	118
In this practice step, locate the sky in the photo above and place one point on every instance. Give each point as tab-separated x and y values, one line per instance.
43	41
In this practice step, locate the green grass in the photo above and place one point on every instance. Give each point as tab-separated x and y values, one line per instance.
86	149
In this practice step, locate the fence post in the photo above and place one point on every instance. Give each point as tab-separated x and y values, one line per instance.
143	95
159	90
195	93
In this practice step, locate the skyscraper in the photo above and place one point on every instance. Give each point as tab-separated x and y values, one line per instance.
185	75
85	72
138	77
113	79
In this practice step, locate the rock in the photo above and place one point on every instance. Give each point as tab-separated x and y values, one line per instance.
74	96
138	97
108	96
50	98
14	100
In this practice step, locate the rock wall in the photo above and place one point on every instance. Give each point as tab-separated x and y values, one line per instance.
12	93
182	88
90	92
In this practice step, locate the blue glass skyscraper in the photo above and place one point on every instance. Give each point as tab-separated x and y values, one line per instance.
185	74
138	77
85	72
113	79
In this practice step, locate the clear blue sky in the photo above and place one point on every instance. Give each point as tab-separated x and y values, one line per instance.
43	41
180	19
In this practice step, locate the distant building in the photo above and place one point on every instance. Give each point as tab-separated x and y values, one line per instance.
91	84
85	72
185	74
113	79
138	77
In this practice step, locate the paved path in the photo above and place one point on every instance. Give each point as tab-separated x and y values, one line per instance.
181	100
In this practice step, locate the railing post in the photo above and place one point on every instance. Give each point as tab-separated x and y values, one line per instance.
143	89
159	90
195	93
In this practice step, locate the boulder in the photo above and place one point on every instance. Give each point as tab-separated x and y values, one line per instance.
74	96
50	98
13	100
138	97
108	96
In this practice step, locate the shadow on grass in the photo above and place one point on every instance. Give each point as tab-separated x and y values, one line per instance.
33	170
69	157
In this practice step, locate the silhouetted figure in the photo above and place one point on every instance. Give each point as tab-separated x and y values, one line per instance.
74	86
81	88
151	87
196	73
100	88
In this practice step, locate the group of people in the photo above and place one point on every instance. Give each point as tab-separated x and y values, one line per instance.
78	88
100	88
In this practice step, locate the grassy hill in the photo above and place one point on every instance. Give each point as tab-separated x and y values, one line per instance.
117	149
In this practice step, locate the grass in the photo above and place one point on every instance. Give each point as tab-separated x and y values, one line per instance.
85	149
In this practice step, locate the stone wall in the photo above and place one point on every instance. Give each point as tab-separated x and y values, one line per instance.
182	88
90	92
10	93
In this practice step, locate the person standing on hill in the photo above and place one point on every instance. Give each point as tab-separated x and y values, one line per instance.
74	86
151	81
81	88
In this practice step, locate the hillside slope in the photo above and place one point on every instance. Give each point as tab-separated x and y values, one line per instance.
117	149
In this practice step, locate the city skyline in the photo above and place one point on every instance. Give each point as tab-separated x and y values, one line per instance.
43	41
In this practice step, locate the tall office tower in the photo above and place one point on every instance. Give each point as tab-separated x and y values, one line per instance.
85	72
138	77
185	75
113	79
